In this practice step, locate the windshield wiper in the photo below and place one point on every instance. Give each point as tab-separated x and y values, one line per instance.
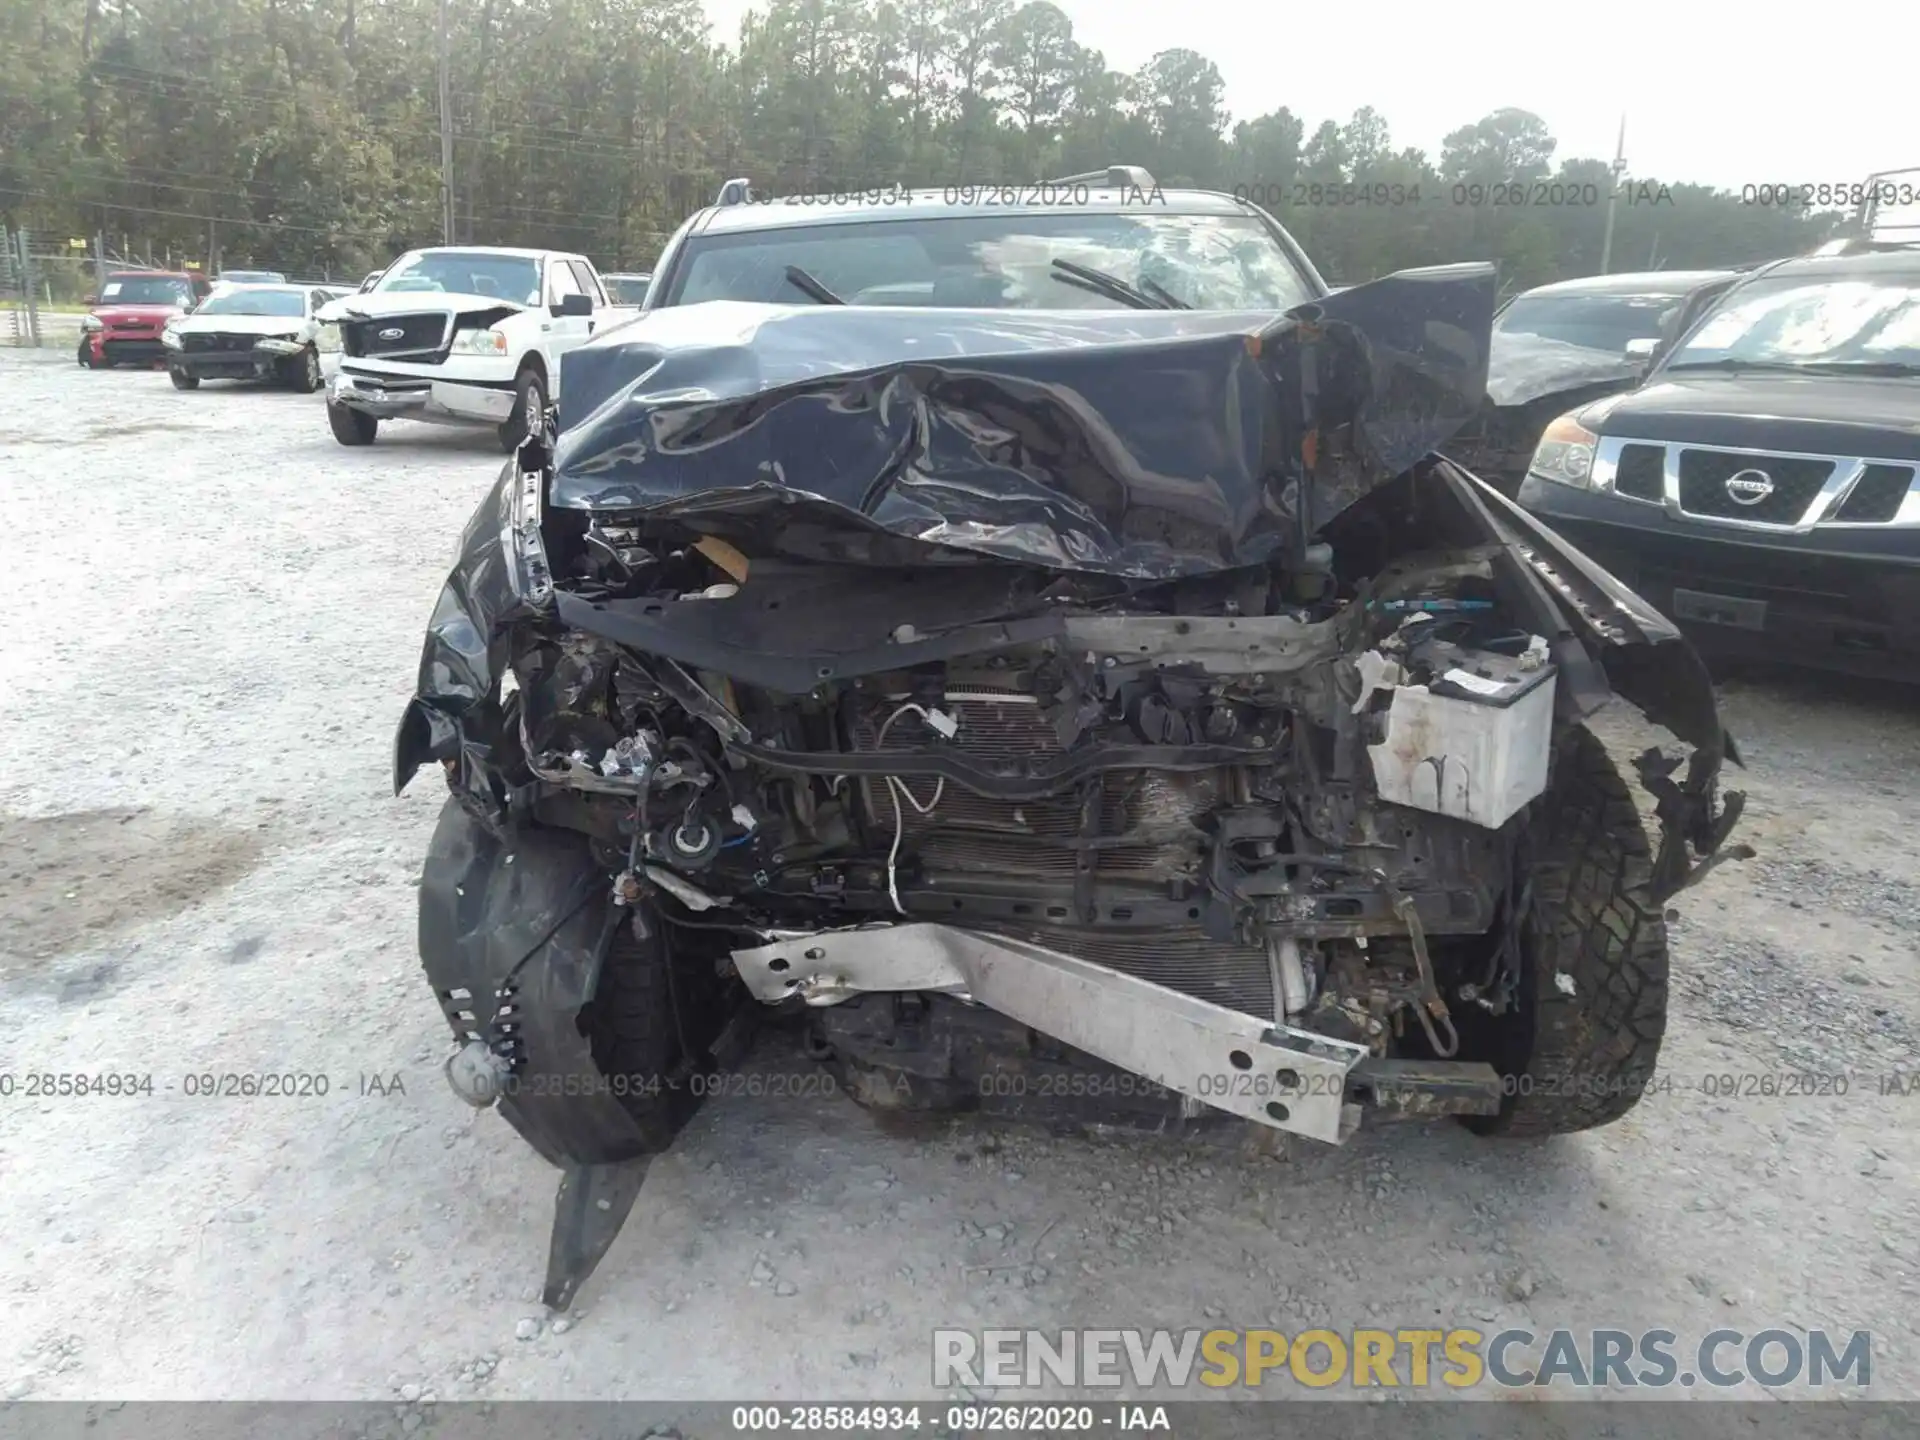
801	280
1146	296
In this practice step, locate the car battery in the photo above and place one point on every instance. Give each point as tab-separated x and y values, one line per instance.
1472	742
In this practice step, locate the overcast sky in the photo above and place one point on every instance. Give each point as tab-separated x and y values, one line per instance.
1711	93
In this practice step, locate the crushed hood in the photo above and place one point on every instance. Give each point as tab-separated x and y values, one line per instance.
409	302
412	302
1140	443
1525	368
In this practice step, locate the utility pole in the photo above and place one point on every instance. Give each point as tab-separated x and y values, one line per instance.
1613	194
446	137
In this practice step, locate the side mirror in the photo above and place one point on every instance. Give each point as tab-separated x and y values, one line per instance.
1642	349
572	307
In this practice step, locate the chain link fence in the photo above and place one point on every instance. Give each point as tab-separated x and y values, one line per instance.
22	290
47	282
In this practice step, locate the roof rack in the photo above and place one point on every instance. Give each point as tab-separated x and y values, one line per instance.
1879	225
735	192
1120	177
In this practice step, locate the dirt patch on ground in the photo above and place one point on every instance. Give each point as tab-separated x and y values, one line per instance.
67	881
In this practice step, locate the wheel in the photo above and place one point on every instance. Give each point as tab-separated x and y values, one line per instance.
351	427
530	399
182	380
645	1003
85	353
303	371
1580	1045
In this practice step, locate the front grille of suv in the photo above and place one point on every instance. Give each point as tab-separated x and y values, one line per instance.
1869	492
1640	474
1796	481
422	339
1876	496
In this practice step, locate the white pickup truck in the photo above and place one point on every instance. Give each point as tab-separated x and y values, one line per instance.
465	335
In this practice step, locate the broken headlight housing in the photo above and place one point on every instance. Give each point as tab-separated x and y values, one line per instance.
1565	454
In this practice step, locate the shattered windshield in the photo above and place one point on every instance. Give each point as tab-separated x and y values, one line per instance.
1001	262
1807	321
465	272
255	302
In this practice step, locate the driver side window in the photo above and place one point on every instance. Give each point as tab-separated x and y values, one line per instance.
560	282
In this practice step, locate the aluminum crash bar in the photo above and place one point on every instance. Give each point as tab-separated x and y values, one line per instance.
1274	1075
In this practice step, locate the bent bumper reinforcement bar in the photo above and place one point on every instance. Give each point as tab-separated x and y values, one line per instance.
1275	1075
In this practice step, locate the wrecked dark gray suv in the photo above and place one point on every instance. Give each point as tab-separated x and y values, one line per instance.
1124	692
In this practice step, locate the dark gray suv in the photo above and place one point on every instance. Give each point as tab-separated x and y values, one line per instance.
1025	640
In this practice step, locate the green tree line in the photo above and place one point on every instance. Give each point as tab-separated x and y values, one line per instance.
305	134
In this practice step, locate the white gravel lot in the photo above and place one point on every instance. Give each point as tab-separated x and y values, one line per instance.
216	621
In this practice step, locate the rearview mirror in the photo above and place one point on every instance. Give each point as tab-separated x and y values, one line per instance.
571	306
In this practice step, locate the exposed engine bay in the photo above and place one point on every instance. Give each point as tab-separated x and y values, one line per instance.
1174	780
994	713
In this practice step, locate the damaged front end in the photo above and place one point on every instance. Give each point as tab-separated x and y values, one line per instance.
1128	693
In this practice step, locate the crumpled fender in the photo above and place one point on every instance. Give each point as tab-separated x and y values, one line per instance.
452	717
1650	664
531	916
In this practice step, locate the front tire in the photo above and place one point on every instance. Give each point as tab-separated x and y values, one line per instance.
529	409
350	426
85	353
303	371
182	380
1580	1045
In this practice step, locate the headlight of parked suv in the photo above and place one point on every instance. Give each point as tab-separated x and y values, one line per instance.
92	322
479	342
170	337
1565	454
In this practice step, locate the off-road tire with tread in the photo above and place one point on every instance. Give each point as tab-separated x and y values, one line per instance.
1580	1049
350	426
633	1030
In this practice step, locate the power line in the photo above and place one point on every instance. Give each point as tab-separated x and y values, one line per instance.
550	213
190	215
242	98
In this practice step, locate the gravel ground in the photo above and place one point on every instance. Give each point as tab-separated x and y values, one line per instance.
204	871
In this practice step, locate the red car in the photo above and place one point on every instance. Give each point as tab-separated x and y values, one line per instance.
128	313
